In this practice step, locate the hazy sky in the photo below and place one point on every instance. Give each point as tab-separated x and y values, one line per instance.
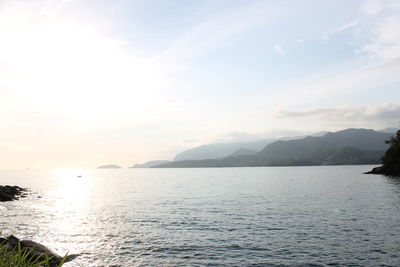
90	82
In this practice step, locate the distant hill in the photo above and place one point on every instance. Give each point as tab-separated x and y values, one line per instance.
109	166
360	138
352	156
388	130
350	146
149	164
243	151
222	150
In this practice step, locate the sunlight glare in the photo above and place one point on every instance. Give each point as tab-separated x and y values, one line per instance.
72	69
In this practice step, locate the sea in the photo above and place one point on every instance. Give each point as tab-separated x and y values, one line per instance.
264	216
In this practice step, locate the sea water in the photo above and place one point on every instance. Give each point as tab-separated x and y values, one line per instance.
272	216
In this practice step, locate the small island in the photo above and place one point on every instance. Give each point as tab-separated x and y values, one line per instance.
391	158
109	166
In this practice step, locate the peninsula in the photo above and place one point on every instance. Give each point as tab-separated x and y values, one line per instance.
391	158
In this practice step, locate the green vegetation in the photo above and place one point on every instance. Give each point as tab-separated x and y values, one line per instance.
19	257
391	158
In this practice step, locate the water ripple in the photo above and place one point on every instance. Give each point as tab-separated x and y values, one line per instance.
215	217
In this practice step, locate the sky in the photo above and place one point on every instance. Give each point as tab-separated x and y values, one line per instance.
91	82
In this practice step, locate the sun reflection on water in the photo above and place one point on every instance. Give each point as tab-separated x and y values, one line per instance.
72	184
69	206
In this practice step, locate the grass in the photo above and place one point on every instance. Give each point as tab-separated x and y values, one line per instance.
23	258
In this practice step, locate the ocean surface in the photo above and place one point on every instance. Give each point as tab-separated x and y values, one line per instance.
272	216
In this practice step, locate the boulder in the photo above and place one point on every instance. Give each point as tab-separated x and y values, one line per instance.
37	251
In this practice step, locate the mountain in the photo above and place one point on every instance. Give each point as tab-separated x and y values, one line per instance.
360	138
388	130
243	151
222	150
352	156
350	146
109	166
149	164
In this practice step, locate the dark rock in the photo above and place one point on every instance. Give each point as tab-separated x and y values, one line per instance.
376	170
10	193
391	158
384	171
5	197
37	251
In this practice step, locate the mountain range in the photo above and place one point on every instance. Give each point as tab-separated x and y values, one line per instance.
350	146
223	150
149	164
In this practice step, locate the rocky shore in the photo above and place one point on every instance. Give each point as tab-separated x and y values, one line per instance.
10	193
391	158
36	251
385	171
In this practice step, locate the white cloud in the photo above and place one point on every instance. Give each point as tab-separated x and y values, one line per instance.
372	7
378	112
278	48
381	28
328	34
378	65
385	38
339	81
219	30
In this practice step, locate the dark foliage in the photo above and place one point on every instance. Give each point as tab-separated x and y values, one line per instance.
391	158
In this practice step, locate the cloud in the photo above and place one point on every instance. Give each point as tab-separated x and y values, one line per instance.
278	48
328	34
380	29
372	7
377	38
219	30
383	112
385	38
